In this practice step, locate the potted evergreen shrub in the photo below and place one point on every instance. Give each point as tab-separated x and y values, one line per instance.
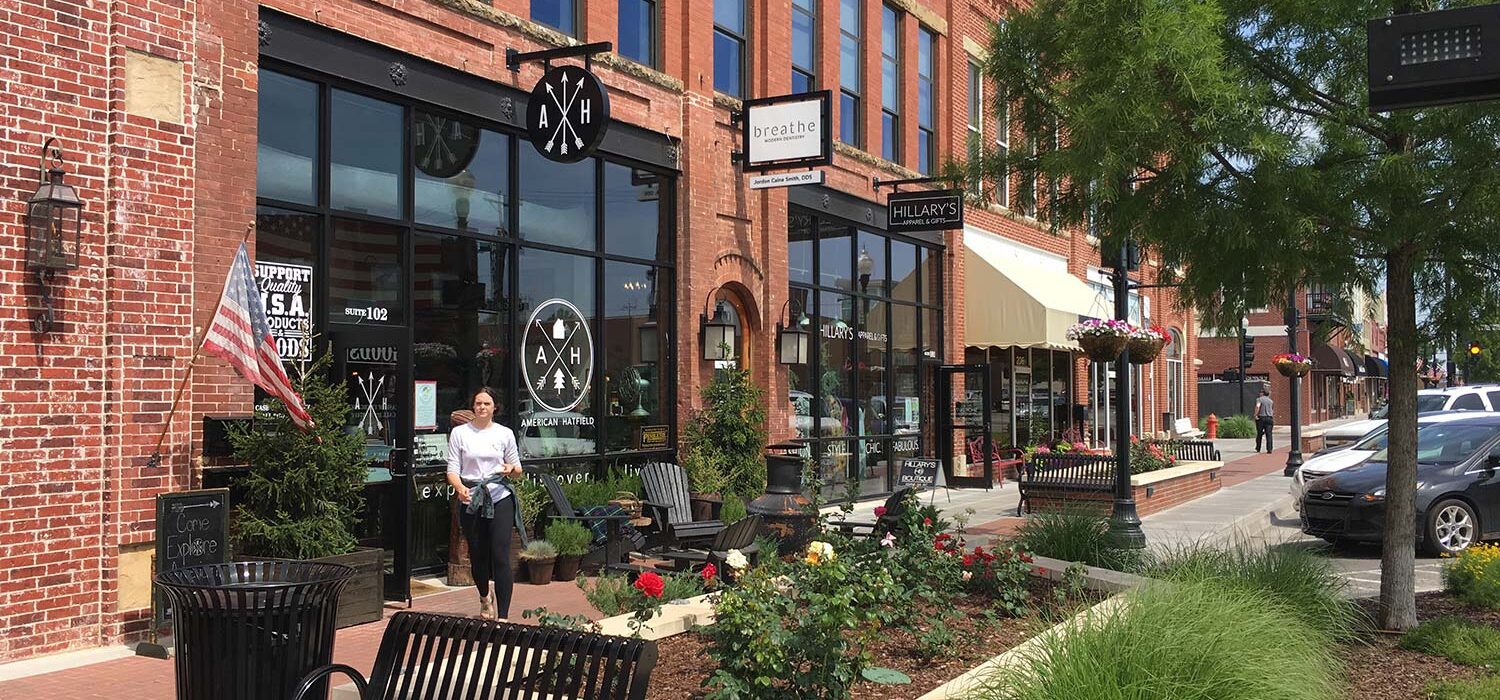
540	556
572	541
304	491
723	445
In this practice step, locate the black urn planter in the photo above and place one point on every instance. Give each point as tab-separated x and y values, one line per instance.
783	508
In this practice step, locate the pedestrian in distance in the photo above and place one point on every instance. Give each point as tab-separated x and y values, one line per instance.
1265	413
482	456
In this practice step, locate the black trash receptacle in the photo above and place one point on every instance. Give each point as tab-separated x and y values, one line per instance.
251	630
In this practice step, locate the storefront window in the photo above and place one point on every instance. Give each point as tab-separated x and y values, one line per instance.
874	345
365	283
800	386
286	236
287	139
557	365
635	389
870	265
906	416
462	175
903	271
636	220
835	255
835	320
800	248
1062	381
1039	422
557	201
365	141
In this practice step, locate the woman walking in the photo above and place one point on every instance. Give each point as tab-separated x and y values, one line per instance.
482	455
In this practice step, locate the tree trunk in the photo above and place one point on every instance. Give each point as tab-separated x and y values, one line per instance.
1398	591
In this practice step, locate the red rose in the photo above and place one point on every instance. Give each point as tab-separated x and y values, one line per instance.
880	511
650	585
709	572
926	522
942	536
968	560
1026	557
979	550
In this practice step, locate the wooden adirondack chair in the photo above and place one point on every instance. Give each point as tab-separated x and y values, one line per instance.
670	504
740	535
895	509
609	525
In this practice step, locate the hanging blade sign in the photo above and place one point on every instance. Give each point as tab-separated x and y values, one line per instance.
568	114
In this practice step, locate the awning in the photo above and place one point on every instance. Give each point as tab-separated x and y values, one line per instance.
1011	304
1377	367
1358	363
1330	359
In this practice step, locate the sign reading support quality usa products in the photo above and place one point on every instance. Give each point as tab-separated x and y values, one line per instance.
941	210
788	131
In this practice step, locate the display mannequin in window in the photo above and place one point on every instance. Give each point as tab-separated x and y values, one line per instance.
482	457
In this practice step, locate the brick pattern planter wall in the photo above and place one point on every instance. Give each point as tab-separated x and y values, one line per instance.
1149	498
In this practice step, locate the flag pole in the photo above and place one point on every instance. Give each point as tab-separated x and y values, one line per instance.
155	460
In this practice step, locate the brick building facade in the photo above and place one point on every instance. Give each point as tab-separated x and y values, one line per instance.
176	119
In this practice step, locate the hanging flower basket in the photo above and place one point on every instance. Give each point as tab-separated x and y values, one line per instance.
1102	340
1291	364
1143	351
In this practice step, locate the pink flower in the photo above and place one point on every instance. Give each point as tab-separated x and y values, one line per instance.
926	522
889	540
880	511
968	575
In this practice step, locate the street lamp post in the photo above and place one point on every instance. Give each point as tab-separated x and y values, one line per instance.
1293	321
1124	523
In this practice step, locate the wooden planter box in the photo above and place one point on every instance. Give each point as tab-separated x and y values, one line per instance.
363	598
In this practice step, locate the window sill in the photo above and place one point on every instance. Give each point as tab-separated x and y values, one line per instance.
868	158
729	102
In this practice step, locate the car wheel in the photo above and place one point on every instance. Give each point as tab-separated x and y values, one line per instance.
1451	527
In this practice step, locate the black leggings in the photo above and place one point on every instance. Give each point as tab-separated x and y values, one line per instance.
489	550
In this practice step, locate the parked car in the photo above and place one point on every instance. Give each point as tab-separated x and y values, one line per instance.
1479	397
1458	490
1328	461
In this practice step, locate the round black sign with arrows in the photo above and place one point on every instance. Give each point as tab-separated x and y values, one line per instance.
568	114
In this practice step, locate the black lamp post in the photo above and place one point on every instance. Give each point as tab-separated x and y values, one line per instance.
1124	522
53	223
1293	322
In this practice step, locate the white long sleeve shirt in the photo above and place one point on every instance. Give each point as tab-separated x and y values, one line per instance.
475	454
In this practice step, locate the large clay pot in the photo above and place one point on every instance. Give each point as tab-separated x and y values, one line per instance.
566	568
782	508
1103	348
539	571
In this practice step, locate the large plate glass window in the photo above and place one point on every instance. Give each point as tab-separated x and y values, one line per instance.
364	267
462	174
637	220
557	201
634	386
286	155
557	416
365	138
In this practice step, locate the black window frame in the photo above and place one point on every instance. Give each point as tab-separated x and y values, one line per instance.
743	39
810	73
891	55
927	112
653	45
855	94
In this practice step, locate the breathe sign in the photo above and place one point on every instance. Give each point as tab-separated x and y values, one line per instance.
942	210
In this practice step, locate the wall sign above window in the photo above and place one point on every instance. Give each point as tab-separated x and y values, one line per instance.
567	114
558	356
787	131
940	210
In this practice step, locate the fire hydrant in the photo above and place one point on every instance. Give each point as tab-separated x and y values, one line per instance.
1213	426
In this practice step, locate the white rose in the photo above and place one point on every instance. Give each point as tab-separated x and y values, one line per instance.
736	559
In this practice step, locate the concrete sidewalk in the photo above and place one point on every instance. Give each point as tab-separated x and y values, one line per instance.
1253	492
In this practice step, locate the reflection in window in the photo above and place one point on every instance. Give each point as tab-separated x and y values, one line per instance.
804	45
929	268
850	83
286	236
890	83
835	251
800	247
545	276
365	283
1039	418
460	329
287	139
903	271
365	141
557	201
729	47
870	264
874	349
905	414
836	333
1062	392
638	31
636	218
561	15
926	102
635	389
462	175
801	390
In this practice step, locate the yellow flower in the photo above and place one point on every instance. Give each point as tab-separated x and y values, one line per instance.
818	552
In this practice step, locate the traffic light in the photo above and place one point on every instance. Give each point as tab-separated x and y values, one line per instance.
1247	351
1475	349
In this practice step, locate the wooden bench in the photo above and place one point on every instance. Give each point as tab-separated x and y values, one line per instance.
1067	473
1183	429
1196	451
425	656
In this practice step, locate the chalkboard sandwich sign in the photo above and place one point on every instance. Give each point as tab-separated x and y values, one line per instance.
192	528
919	471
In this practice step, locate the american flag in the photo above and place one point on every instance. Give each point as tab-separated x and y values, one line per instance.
240	335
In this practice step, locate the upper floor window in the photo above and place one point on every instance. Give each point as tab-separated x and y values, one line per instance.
1002	147
850	85
976	119
637	40
890	83
561	15
804	45
729	47
926	102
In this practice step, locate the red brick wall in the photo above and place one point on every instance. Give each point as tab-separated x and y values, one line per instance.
1148	499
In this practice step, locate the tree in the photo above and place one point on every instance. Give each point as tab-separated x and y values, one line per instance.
304	492
724	444
1233	139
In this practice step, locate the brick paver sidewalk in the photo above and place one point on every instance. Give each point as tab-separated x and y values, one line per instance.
141	678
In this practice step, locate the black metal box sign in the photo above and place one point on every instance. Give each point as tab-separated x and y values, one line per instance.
941	210
919	471
788	131
1433	58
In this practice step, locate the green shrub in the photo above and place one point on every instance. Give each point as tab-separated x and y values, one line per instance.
538	550
1457	639
1474	575
610	594
733	510
1482	688
1237	427
570	538
1294	577
723	444
1075	534
597	492
1179	641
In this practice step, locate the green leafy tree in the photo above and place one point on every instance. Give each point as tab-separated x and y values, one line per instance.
1233	138
724	443
305	490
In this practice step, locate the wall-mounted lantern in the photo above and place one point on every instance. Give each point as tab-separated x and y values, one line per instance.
793	342
718	334
53	224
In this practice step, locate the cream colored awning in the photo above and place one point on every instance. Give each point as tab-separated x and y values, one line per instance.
1012	304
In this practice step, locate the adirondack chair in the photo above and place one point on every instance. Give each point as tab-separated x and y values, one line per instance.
895	509
740	535
668	499
609	525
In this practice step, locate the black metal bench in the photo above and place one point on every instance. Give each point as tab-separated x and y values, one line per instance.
1068	473
1196	451
424	656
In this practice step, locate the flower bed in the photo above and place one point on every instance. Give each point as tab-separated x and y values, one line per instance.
1379	669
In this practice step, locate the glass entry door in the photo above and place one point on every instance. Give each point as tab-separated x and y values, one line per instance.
375	364
965	442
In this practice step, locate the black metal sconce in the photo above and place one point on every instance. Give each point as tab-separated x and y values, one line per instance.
793	342
53	223
718	334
